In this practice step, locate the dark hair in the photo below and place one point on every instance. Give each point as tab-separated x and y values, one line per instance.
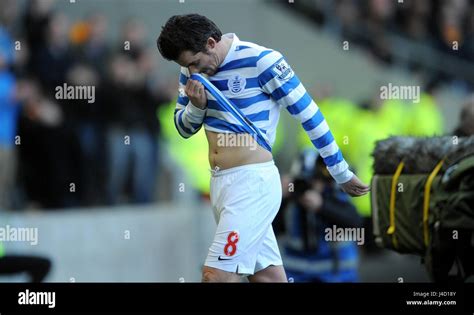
186	32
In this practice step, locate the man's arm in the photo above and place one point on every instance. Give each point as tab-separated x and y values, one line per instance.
278	79
188	118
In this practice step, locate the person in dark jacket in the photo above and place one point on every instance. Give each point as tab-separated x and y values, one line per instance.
312	208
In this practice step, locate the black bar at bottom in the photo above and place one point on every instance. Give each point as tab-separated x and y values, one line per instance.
209	297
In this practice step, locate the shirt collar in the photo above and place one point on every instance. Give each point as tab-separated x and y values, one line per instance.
230	53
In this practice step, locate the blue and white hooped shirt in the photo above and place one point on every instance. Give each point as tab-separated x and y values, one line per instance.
259	82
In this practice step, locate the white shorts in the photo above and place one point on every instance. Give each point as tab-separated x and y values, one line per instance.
245	200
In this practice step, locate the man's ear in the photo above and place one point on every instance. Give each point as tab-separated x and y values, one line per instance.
211	43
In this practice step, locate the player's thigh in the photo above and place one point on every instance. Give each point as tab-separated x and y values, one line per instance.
210	274
270	274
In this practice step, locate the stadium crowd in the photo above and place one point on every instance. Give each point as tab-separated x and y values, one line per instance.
444	26
75	151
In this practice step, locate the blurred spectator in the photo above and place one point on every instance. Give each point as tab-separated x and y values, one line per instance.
467	50
35	22
315	204
92	46
131	118
48	153
132	38
9	110
86	119
8	14
132	135
55	58
83	118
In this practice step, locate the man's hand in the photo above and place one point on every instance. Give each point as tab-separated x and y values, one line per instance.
355	187
195	91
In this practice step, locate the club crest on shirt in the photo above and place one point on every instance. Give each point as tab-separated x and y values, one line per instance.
236	84
283	70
